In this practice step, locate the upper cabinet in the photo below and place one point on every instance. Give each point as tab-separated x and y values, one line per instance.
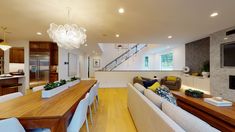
16	55
39	46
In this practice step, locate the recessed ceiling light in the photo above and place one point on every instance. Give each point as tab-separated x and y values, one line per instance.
225	38
117	35
39	33
214	14
121	10
169	37
86	45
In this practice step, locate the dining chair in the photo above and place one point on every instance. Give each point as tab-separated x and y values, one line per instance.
78	119
10	96
11	125
91	101
97	85
37	88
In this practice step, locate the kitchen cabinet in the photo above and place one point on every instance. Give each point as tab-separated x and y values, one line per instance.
36	46
16	55
54	54
53	77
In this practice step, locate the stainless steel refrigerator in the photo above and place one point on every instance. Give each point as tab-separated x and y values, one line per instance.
39	68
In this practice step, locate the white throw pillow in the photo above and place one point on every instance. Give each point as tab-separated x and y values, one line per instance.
186	120
153	97
139	87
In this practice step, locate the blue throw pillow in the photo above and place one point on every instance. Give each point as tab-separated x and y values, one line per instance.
165	93
149	83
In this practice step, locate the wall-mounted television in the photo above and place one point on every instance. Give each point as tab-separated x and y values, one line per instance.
228	54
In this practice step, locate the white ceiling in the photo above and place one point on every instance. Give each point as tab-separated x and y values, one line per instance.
144	21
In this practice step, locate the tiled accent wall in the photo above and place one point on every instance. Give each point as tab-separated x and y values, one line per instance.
220	76
196	53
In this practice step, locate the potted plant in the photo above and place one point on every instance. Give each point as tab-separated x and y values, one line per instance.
73	81
206	69
51	89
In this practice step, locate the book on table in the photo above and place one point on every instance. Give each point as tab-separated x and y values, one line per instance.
218	103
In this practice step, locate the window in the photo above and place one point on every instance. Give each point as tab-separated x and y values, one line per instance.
146	61
167	61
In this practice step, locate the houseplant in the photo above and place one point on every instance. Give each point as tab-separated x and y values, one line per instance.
73	81
51	89
206	69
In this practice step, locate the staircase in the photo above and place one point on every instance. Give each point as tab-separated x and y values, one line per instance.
123	57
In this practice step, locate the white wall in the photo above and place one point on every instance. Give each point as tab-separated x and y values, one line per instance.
178	58
137	61
63	68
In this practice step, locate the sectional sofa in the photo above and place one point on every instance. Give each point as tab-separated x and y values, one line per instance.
151	113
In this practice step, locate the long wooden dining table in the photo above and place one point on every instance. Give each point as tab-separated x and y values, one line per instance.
54	113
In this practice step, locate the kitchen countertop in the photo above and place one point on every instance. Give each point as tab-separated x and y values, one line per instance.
17	76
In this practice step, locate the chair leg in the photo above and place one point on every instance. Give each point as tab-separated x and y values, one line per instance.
94	106
96	100
91	115
87	127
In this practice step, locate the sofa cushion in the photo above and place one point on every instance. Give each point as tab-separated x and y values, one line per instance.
153	97
154	87
148	83
171	78
165	93
139	87
187	121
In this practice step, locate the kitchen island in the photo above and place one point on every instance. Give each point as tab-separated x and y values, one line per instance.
11	84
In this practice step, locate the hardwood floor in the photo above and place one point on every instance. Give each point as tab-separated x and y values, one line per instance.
112	114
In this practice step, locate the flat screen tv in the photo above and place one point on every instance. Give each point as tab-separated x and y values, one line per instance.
228	54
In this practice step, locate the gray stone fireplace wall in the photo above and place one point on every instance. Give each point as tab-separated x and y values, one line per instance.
219	79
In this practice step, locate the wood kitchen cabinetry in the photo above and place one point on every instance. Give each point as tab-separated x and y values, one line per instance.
41	47
54	54
16	55
37	46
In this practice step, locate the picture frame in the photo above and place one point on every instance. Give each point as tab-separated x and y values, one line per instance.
96	63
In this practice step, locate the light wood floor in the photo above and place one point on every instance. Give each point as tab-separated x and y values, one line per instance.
112	114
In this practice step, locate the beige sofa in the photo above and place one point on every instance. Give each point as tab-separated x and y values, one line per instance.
151	113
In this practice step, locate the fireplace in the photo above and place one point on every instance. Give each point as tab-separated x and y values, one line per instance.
232	82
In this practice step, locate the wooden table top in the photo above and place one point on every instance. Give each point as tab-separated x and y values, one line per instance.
224	113
34	107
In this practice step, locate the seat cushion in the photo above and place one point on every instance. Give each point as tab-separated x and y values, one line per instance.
153	97
187	121
170	82
148	83
139	87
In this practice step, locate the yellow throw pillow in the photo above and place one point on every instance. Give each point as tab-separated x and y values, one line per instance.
139	77
154	87
171	78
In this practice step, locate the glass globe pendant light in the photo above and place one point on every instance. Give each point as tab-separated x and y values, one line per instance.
68	36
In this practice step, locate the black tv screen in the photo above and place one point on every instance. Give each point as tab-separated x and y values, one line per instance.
228	54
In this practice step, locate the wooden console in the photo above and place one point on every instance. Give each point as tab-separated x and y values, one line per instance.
222	118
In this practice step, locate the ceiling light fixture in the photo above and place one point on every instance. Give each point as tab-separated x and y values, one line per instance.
68	36
39	33
4	45
117	35
121	10
214	14
86	45
169	37
225	38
